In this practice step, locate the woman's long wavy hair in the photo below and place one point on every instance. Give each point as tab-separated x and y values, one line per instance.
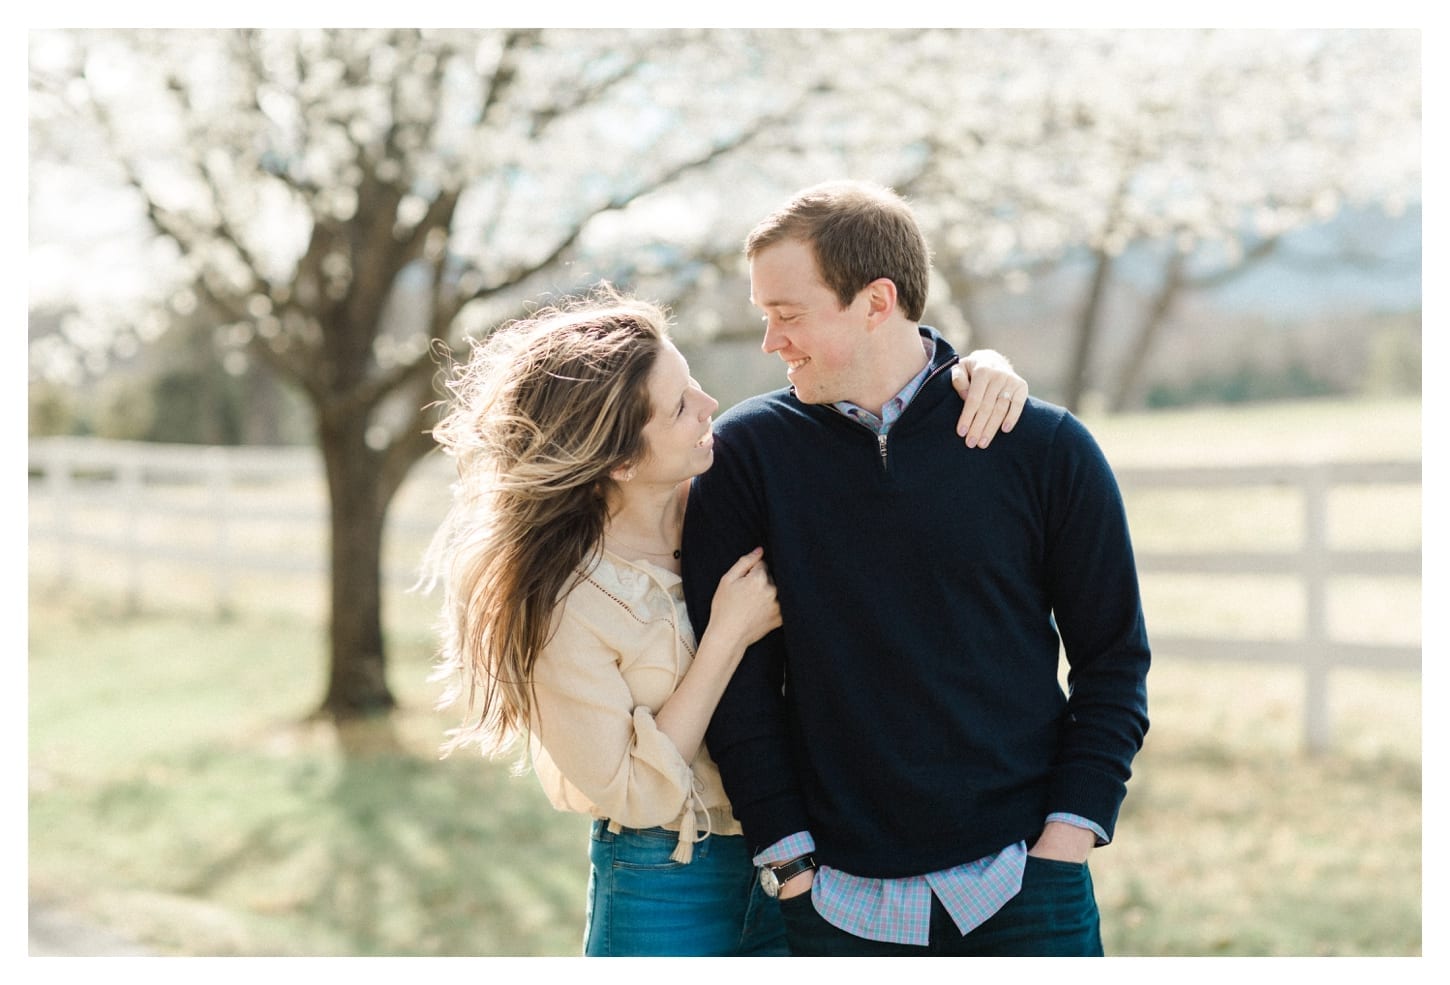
540	414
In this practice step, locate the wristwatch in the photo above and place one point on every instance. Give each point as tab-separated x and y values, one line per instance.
772	877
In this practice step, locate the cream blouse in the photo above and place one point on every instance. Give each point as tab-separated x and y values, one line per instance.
622	644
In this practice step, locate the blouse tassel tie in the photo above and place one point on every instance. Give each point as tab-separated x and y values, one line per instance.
689	825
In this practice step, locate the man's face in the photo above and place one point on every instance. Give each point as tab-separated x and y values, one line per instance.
819	341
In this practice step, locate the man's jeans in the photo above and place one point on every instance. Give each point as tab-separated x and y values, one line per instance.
1055	914
643	903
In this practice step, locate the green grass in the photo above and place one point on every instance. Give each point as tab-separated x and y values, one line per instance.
1321	430
180	794
1232	842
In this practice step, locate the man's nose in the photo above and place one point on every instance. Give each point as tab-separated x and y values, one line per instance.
772	341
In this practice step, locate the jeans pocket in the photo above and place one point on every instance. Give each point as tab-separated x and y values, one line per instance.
647	849
1058	865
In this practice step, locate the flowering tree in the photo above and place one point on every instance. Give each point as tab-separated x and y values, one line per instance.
334	200
1196	150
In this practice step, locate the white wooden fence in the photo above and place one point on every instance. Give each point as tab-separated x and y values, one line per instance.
1315	563
154	520
193	523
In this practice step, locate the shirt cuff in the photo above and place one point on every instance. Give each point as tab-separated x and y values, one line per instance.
789	847
1081	822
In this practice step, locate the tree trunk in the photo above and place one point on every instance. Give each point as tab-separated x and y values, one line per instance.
963	299
1087	331
1148	332
357	683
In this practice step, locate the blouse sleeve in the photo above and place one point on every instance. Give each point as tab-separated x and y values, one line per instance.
596	740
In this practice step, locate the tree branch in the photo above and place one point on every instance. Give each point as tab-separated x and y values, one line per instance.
618	203
505	73
542	119
224	229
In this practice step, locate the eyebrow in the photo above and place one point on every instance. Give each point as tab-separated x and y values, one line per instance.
784	303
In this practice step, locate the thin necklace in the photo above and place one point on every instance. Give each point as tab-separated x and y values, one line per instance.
635	547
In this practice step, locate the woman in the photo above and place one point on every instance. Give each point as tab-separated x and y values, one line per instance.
576	433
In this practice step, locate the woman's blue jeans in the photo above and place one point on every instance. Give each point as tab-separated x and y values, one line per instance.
643	903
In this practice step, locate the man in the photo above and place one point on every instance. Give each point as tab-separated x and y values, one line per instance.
900	753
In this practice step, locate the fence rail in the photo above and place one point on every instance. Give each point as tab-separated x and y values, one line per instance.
131	508
1314	564
137	513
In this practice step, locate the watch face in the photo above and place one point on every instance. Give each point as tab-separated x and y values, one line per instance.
768	881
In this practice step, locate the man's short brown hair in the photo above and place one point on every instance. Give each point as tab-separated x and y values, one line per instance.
858	233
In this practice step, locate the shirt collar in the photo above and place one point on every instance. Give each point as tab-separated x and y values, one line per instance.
894	407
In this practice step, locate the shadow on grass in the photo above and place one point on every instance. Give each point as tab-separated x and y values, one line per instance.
1264	854
318	844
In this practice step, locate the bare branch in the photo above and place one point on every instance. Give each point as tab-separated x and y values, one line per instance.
583	96
618	203
224	229
1258	251
505	73
248	54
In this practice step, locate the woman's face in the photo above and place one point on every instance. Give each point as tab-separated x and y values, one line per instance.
678	442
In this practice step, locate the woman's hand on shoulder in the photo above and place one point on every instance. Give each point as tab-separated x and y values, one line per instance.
992	393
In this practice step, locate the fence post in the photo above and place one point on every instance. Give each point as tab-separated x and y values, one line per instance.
218	481
57	467
1316	608
129	485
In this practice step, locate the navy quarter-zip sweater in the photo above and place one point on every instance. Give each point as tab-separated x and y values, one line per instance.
909	713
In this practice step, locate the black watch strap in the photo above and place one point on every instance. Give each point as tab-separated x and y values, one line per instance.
786	871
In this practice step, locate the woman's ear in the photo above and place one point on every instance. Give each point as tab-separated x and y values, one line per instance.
622	474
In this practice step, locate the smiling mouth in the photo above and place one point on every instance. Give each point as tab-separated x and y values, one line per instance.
791	365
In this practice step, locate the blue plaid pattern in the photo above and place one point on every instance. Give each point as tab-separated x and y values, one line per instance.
897	404
899	910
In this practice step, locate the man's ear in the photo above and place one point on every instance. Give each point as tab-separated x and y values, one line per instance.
880	301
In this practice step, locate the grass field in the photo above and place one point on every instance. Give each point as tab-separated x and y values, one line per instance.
180	794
